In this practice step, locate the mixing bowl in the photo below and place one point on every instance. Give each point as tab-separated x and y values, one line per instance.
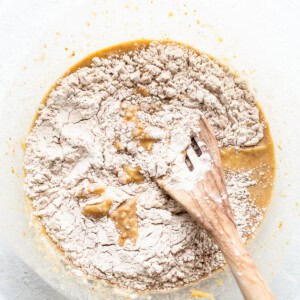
40	40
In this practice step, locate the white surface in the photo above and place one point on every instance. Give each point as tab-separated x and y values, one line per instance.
260	39
18	281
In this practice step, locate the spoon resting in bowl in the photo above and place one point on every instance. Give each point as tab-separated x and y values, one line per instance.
208	203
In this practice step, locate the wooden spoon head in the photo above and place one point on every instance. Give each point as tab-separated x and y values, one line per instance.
208	197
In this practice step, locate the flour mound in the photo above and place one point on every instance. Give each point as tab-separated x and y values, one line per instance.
72	145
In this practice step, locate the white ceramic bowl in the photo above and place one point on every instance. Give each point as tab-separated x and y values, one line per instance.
42	39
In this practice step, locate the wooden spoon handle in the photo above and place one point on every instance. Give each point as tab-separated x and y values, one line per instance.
216	218
247	275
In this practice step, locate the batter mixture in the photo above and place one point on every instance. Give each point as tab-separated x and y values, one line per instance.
116	122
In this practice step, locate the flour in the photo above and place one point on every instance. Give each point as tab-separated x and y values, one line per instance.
155	95
181	178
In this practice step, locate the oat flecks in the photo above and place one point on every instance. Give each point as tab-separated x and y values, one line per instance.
72	146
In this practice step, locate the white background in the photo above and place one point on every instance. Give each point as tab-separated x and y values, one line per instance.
258	38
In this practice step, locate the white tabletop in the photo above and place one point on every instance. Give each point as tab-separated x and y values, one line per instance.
19	282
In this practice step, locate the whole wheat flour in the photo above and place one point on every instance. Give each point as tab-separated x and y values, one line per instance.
117	125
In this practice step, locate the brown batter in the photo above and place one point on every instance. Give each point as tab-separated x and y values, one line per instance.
92	190
97	211
126	221
260	159
133	174
130	116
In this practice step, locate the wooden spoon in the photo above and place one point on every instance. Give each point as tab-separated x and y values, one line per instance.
207	202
